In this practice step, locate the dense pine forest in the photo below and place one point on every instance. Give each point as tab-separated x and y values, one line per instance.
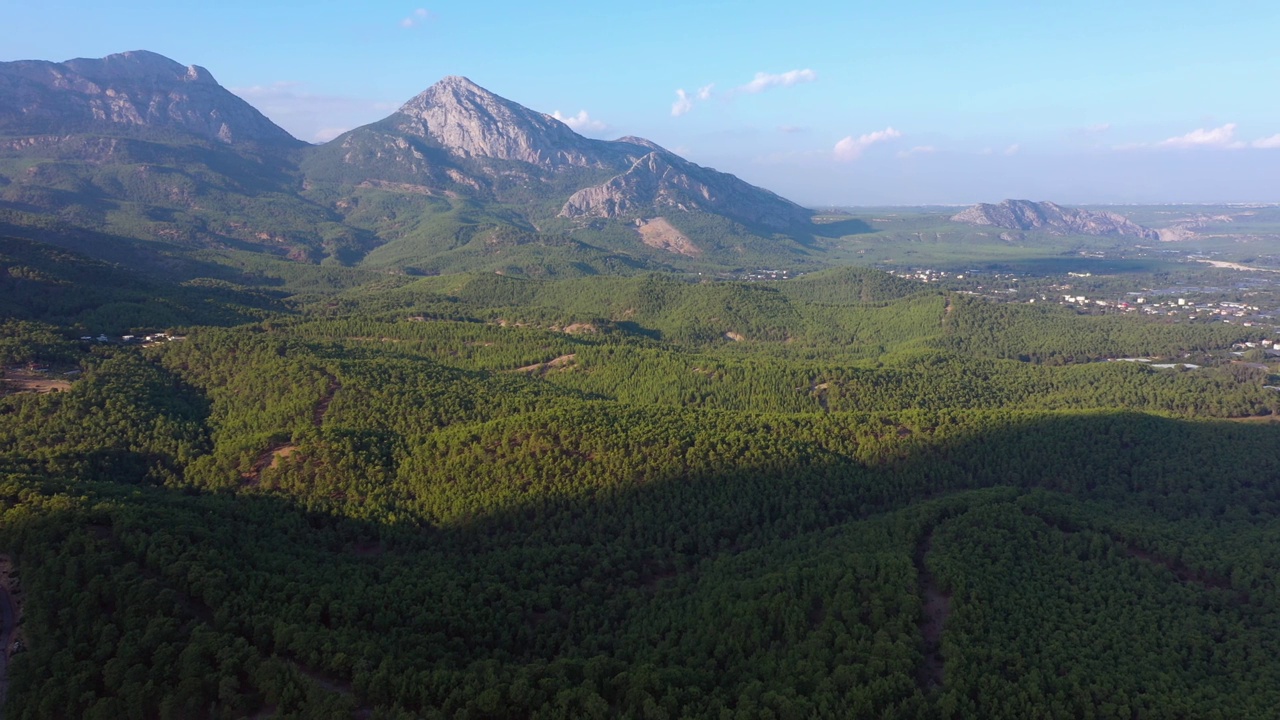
474	496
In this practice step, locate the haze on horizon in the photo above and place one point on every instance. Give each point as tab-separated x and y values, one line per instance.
826	104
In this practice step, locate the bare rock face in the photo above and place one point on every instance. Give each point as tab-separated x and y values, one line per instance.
660	181
633	140
1025	215
469	121
128	93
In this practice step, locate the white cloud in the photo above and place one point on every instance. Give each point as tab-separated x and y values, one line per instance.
1097	129
918	150
324	135
417	17
790	129
763	81
1012	149
851	148
682	105
310	115
684	101
581	122
1219	137
1267	143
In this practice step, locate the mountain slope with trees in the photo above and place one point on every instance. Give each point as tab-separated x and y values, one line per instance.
136	157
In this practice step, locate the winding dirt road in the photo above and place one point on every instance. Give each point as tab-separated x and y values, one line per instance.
937	608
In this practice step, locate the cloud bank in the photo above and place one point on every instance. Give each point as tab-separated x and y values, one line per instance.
764	81
918	150
416	18
682	105
582	122
1267	143
1220	137
851	148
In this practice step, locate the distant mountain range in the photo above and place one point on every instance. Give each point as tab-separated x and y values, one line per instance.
1025	216
136	155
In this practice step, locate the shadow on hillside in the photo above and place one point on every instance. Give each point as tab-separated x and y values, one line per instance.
153	258
842	228
637	574
108	291
1070	263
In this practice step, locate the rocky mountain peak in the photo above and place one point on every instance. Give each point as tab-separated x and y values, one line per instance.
461	83
137	93
469	121
137	66
1027	215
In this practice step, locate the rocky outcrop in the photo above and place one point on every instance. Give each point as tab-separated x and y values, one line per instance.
641	142
469	121
130	93
661	181
1025	215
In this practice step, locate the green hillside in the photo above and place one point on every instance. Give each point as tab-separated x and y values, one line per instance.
475	495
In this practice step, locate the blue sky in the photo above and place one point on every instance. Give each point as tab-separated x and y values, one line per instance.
824	102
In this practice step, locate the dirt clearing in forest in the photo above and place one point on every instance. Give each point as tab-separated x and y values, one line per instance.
540	369
23	380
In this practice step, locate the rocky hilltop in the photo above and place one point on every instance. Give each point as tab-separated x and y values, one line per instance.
134	93
469	121
1026	215
661	181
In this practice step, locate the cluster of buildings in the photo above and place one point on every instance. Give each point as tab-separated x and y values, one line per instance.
132	339
765	274
1227	311
926	275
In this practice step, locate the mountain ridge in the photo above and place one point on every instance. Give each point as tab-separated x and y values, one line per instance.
1028	215
139	146
128	93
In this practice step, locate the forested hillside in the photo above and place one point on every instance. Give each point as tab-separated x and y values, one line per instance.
475	496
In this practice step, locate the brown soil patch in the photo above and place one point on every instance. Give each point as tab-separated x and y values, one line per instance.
660	234
581	328
322	407
268	459
541	369
272	456
22	380
736	337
